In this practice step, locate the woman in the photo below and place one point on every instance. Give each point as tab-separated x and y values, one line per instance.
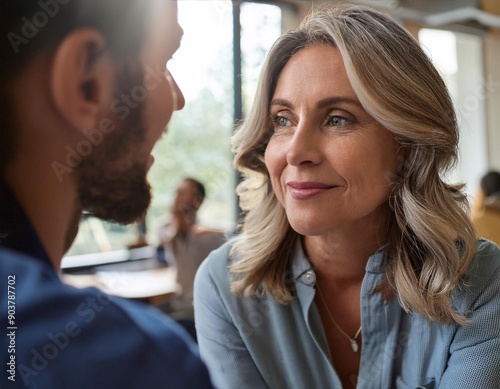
357	265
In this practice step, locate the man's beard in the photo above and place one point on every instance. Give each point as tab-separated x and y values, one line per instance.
112	183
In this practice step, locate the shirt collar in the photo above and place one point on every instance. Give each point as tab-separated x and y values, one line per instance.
301	265
16	231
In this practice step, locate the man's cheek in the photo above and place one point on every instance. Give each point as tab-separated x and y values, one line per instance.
159	107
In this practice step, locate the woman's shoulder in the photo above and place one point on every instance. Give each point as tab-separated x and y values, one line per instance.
481	282
486	262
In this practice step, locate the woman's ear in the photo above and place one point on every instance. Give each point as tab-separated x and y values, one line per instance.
82	78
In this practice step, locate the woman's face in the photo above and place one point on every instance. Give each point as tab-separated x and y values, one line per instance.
330	163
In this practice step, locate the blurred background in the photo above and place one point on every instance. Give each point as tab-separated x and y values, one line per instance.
217	66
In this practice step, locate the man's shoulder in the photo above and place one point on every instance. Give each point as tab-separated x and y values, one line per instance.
15	259
64	328
40	290
25	270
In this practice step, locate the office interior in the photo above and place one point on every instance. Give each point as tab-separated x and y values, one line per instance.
223	48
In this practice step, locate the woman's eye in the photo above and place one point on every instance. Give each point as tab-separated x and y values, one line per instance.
281	121
337	121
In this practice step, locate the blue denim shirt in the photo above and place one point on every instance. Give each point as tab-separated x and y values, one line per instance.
55	336
258	343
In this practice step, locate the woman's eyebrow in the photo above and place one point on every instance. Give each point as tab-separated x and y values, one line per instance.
325	103
282	102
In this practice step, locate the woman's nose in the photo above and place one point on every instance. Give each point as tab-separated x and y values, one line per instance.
305	146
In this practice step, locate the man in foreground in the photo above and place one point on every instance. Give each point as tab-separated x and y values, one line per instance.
84	97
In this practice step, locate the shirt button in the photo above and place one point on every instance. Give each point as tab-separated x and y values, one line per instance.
308	278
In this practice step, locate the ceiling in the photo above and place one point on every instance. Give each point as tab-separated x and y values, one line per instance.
440	13
435	13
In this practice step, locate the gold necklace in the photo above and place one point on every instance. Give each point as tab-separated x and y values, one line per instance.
354	343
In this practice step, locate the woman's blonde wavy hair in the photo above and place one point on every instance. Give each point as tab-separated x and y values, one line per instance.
431	239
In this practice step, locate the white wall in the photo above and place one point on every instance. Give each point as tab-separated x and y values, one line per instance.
492	75
470	100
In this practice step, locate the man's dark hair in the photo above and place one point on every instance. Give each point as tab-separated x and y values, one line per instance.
490	183
200	188
29	27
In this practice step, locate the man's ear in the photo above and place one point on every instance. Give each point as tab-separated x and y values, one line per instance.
82	78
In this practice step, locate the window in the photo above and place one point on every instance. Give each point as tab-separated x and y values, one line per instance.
260	27
459	59
197	143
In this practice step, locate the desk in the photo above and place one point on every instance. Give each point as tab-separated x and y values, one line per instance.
146	280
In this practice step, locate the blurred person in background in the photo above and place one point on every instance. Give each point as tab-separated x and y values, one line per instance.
486	217
186	244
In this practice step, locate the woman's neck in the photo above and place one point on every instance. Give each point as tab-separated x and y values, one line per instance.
343	255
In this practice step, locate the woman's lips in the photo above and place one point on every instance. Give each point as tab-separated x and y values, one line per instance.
305	190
